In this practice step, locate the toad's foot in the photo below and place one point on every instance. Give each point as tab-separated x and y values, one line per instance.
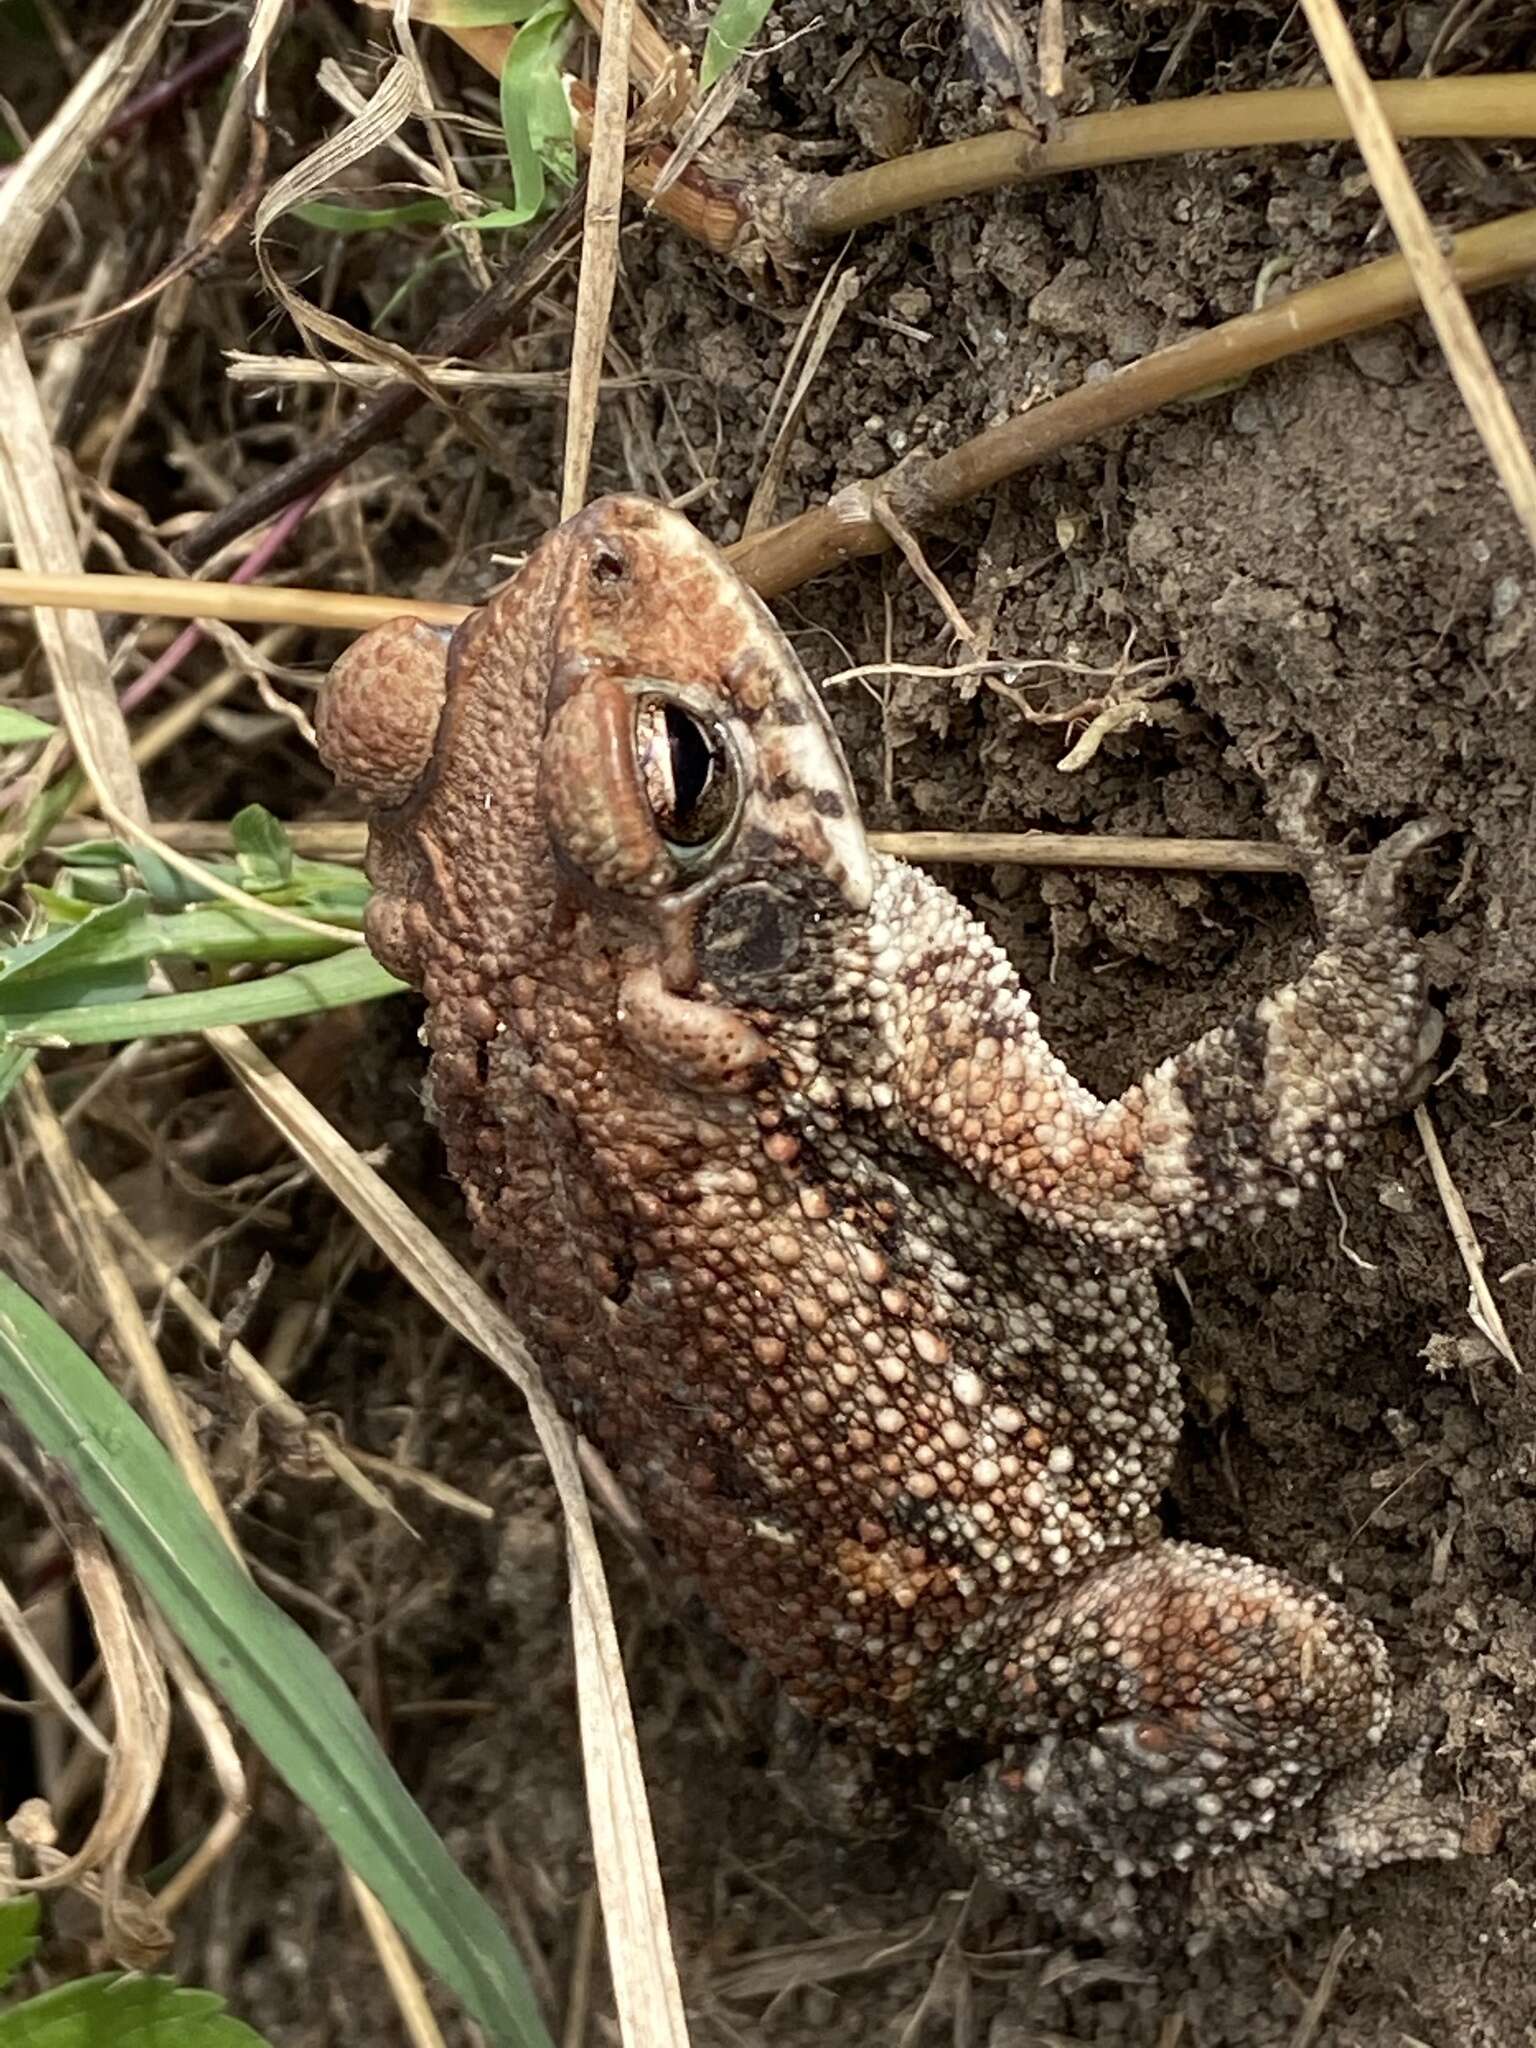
1209	1708
1372	1814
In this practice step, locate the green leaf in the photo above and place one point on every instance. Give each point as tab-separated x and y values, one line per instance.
535	116
105	956
18	1934
117	2011
62	908
97	853
19	726
171	887
735	24
352	976
263	850
367	220
92	960
277	1682
322	888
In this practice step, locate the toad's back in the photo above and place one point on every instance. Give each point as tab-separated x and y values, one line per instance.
849	1389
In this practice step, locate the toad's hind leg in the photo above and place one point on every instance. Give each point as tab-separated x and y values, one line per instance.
1202	1699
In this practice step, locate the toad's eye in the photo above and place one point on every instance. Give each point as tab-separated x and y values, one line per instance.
642	785
689	775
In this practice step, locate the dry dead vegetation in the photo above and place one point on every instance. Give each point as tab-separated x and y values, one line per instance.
204	386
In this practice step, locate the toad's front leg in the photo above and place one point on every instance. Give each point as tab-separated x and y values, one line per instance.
1243	1118
1202	1702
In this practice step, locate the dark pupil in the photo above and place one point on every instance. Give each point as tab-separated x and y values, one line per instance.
701	795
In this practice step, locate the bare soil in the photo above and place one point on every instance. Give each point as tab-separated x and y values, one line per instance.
1324	561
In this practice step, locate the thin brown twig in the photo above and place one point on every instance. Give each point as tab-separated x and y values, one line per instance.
346	840
1497	107
1376	293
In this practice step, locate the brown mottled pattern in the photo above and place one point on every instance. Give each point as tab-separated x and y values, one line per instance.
829	1253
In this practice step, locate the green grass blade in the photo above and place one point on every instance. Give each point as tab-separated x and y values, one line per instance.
119	2011
14	1062
350	977
18	727
535	115
111	947
735	24
18	1934
368	220
274	1679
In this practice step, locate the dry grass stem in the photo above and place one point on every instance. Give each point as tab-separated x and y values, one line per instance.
1496	107
836	294
422	2030
648	53
223	1760
141	1724
277	1406
245	604
599	250
139	1351
1433	274
578	1992
454	1498
34	506
48	1686
1090	850
335	839
244	368
883	509
391	105
1371	296
1481	1306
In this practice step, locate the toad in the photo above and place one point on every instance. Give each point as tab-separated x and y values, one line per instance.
831	1256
